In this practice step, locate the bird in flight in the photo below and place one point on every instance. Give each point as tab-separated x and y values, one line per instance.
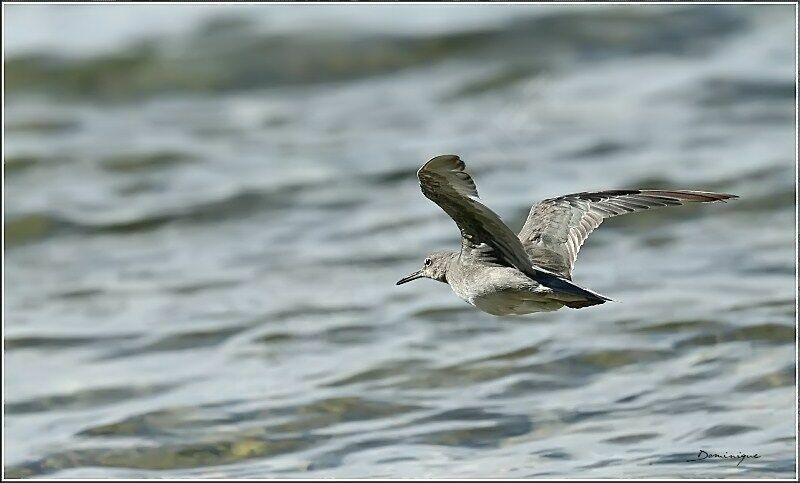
506	274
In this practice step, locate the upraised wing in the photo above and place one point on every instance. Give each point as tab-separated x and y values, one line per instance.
556	228
444	181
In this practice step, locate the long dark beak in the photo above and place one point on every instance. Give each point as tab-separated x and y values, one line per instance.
413	276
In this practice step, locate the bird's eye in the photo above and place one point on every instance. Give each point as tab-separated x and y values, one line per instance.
428	262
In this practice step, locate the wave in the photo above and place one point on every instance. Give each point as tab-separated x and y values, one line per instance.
233	56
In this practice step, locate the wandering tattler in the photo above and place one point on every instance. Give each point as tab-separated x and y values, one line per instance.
506	274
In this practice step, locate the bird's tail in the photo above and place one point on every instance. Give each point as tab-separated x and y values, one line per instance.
579	304
570	294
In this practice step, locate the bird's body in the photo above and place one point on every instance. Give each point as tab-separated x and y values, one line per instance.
497	289
503	291
506	274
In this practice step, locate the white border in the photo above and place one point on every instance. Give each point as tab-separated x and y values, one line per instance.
797	194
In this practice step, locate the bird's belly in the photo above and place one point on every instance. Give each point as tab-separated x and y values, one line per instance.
514	302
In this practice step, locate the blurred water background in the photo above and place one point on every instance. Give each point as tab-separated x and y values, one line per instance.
206	209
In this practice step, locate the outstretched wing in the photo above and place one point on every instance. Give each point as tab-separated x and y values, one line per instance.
556	228
485	237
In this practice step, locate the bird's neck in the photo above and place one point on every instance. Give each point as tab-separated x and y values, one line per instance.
450	267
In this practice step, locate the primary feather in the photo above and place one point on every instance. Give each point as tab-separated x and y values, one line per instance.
556	228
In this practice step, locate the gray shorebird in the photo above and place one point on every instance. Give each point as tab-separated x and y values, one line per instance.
506	274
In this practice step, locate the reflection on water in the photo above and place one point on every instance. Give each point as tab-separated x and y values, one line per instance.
203	234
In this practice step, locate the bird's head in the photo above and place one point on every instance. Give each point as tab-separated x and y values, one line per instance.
435	267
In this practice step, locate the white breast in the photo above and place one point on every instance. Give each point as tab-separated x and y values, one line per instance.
503	291
514	303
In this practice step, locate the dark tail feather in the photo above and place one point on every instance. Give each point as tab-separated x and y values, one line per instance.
559	284
583	303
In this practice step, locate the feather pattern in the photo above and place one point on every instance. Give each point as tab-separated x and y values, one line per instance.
484	236
556	228
444	181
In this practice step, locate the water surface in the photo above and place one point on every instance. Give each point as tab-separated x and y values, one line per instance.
202	235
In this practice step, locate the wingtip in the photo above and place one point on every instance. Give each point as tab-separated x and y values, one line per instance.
720	196
724	197
712	196
692	195
441	159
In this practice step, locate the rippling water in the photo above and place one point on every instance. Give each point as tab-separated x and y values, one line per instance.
199	269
